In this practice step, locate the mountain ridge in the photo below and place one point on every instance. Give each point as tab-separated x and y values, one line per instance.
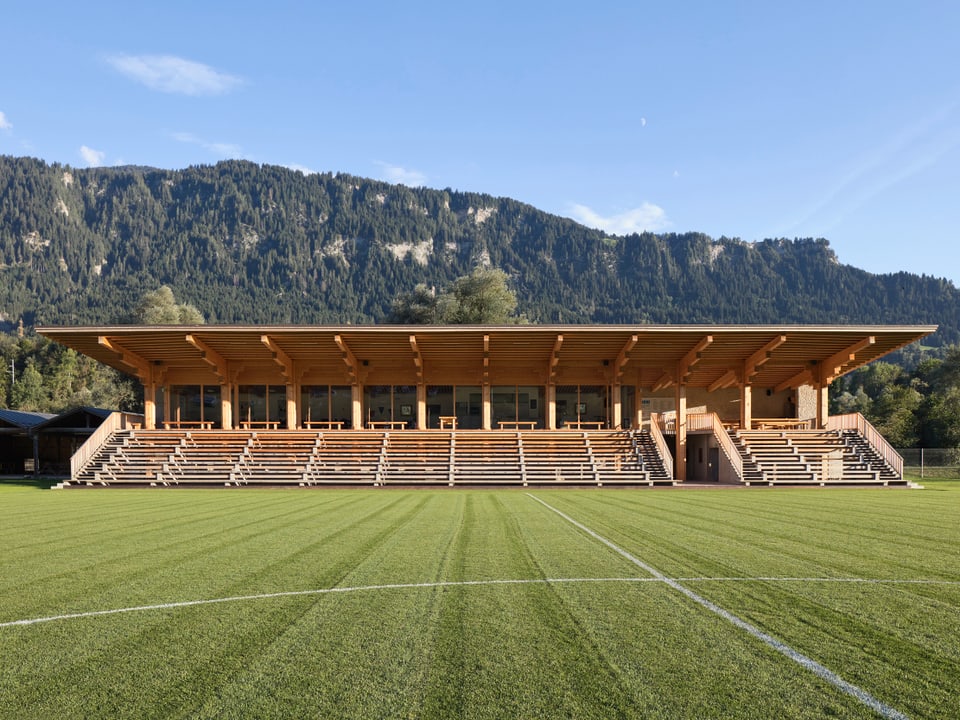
259	243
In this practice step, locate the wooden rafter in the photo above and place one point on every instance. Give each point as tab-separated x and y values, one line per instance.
555	358
665	381
279	357
417	358
832	367
724	381
761	356
210	356
801	378
694	356
623	357
486	359
349	359
138	363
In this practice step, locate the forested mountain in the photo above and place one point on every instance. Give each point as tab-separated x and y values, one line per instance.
255	244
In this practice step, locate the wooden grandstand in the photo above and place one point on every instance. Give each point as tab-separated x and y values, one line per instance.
372	458
474	405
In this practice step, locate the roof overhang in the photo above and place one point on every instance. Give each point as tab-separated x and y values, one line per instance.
707	356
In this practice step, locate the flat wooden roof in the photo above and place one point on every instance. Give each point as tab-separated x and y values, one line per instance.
652	356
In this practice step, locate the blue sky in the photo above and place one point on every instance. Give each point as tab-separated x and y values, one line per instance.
745	119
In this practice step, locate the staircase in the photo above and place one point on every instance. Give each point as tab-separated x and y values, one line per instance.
810	457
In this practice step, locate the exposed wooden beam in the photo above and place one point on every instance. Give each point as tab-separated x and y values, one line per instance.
279	357
417	359
623	357
803	377
665	381
693	357
555	358
349	359
486	359
210	356
832	367
726	380
138	363
761	356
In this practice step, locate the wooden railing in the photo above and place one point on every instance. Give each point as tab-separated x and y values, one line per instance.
113	422
856	421
657	434
698	422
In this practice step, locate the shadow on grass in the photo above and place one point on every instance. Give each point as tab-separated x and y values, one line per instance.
37	483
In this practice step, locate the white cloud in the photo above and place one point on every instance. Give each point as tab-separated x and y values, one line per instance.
93	158
302	169
646	218
220	149
643	122
171	74
4	123
401	176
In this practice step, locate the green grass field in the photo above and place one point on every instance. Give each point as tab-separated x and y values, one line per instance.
390	603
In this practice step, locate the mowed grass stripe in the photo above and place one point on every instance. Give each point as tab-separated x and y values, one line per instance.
899	641
211	552
560	650
201	650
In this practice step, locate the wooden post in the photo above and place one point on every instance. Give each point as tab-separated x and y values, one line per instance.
292	419
746	406
150	406
166	402
421	406
226	407
356	395
637	408
487	410
551	406
680	462
617	419
823	405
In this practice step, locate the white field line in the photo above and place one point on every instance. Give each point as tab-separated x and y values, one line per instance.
831	677
458	583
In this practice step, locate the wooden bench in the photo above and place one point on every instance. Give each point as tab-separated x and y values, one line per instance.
265	424
323	424
387	424
448	422
182	424
779	424
517	424
584	424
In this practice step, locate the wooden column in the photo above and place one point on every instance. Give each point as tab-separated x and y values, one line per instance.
680	462
487	409
150	406
637	408
356	395
421	406
823	405
292	406
166	403
226	407
551	406
746	406
617	419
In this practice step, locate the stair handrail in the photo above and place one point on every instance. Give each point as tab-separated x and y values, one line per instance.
713	423
113	422
856	421
661	444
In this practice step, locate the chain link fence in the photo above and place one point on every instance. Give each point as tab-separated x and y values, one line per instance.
931	462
